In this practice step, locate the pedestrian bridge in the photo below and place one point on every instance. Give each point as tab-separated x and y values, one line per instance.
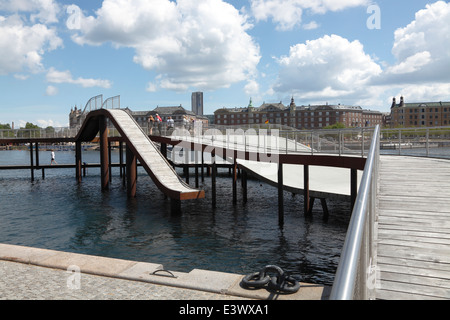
139	147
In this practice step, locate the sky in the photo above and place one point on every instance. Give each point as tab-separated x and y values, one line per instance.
57	54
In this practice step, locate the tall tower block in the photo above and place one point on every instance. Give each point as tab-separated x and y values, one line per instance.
197	103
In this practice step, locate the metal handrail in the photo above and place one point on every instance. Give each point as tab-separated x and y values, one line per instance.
354	256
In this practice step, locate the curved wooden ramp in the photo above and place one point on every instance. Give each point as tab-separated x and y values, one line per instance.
151	159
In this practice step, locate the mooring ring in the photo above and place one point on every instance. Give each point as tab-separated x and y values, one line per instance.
284	284
255	280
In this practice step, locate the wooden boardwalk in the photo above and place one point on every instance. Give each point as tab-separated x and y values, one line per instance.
413	246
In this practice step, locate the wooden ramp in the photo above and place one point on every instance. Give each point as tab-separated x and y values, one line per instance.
413	246
151	159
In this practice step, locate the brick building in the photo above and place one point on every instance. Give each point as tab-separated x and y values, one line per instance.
420	114
300	117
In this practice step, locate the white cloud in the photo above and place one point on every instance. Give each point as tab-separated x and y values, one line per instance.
44	11
151	87
333	68
55	76
311	26
411	64
287	14
425	92
51	91
189	43
328	67
251	88
21	76
23	46
421	48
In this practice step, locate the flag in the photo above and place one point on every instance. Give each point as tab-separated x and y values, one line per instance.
267	121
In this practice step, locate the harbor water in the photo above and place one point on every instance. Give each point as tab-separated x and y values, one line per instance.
60	214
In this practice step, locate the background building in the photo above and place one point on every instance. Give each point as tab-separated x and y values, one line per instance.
197	103
300	117
419	114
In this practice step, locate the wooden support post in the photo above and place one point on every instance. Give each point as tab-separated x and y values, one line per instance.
121	158
37	160
31	161
186	164
109	162
323	201
78	161
131	163
213	179
306	188
196	168
353	186
234	180
104	161
244	185
280	195
311	205
164	149
175	206
202	167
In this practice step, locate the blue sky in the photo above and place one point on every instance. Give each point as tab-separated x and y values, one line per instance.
58	54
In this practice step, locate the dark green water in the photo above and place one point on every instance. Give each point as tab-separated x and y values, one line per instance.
57	213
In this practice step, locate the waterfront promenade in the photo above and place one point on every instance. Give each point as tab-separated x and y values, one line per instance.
40	274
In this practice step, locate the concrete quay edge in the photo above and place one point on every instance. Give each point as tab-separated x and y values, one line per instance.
197	279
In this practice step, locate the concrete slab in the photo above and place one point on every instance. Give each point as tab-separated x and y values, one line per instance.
24	254
202	280
88	264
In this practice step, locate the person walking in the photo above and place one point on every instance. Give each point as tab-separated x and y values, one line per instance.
53	158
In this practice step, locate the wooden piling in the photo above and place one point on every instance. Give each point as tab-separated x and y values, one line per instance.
31	161
78	161
234	169
186	164
109	161
306	189
131	163
213	179
244	186
104	159
196	168
280	195
121	158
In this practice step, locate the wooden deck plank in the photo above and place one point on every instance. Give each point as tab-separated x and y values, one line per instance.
413	245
